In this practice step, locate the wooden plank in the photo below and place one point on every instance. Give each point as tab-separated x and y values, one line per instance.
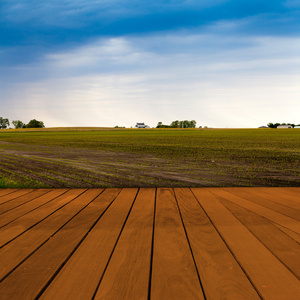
280	244
81	275
33	275
4	192
20	225
22	200
282	209
263	192
215	263
270	277
14	195
286	193
128	272
294	190
20	248
295	236
265	212
30	206
174	275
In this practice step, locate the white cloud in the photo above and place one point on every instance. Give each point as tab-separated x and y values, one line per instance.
120	81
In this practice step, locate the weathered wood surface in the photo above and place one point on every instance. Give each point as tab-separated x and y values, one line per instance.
198	243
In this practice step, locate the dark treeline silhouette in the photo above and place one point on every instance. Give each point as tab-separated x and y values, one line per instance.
178	124
275	125
4	123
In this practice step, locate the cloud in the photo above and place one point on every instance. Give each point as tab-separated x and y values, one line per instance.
107	63
62	22
214	79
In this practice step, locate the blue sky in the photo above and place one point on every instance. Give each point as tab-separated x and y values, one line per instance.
224	63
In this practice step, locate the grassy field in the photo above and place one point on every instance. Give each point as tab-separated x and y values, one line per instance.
106	157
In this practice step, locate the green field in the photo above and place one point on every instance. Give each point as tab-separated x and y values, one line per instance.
95	157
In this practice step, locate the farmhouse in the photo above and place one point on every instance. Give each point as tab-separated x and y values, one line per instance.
141	125
284	126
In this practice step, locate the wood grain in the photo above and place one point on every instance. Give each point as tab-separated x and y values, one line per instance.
80	276
278	207
35	273
276	217
22	200
12	254
212	243
273	195
11	196
22	224
216	265
280	244
128	272
30	206
174	275
4	192
269	276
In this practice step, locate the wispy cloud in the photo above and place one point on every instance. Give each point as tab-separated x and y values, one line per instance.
107	63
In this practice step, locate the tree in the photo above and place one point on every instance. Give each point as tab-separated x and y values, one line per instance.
35	124
4	123
175	124
178	124
273	125
18	124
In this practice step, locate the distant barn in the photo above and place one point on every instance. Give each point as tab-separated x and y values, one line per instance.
141	125
284	126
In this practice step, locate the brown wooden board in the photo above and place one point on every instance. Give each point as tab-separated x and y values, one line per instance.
33	275
13	253
81	275
220	274
294	190
128	272
295	236
22	200
4	192
288	194
272	195
263	211
269	276
280	244
11	196
280	208
20	225
174	274
30	206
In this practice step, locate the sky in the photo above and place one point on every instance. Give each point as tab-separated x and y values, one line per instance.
223	63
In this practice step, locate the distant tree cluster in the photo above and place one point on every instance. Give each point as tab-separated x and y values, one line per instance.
4	123
275	125
178	124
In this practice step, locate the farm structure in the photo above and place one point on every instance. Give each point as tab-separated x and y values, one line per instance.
141	125
150	243
284	126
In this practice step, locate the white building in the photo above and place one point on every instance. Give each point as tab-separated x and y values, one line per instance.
141	125
284	126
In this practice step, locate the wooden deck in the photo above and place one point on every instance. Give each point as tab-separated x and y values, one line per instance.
199	243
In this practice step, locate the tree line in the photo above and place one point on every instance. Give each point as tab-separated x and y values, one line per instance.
178	124
4	123
275	125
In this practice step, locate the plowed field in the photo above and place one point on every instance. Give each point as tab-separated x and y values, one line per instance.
149	158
